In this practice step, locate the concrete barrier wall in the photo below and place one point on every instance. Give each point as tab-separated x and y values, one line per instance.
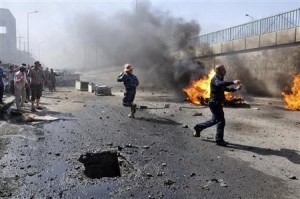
263	72
239	44
227	47
252	42
298	34
265	40
268	39
216	48
286	36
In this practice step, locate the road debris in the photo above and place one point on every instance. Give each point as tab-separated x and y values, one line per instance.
29	117
197	114
168	182
291	176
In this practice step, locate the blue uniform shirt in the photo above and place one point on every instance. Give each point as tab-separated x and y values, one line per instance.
217	88
130	80
1	76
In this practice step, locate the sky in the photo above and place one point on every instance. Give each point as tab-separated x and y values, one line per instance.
50	32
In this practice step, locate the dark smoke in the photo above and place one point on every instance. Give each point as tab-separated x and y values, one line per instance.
144	39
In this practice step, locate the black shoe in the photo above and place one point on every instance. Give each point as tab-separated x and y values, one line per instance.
196	132
222	143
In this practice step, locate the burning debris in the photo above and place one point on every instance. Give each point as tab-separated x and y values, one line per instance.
292	100
198	92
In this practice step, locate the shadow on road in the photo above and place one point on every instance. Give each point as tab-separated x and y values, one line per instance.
291	155
159	121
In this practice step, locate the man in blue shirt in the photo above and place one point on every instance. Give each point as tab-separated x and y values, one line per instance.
2	75
130	83
217	88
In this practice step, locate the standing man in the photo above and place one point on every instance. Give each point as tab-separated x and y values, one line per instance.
2	75
52	80
27	89
36	85
20	82
130	83
217	98
11	76
46	74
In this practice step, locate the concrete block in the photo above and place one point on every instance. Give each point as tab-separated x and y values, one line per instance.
252	42
216	48
286	36
239	44
82	86
227	47
298	34
102	90
268	39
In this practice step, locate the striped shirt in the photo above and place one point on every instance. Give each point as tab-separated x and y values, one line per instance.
37	76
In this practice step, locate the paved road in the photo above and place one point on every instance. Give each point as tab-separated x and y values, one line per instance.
164	161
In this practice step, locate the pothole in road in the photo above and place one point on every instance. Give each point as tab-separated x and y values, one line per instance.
105	164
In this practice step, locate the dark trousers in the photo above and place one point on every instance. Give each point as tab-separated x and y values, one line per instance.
36	91
217	118
129	96
11	87
27	93
1	92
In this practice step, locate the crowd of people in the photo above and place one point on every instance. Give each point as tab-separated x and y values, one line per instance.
26	83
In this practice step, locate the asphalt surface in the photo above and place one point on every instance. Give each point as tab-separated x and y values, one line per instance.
164	160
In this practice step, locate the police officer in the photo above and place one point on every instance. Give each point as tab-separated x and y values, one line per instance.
217	98
130	83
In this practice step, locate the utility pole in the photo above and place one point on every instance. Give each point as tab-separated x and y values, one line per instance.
24	43
136	7
19	38
29	13
96	56
84	57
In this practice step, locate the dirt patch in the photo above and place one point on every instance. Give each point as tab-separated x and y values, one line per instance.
3	144
8	129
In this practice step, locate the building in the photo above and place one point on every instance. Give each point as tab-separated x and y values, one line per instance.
8	41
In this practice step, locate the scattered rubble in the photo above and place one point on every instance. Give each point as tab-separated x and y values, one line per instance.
168	182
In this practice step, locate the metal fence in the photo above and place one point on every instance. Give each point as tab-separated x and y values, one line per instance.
275	23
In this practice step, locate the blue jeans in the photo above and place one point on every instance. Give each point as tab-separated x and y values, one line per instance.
217	118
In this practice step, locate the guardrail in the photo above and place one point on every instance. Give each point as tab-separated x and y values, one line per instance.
275	23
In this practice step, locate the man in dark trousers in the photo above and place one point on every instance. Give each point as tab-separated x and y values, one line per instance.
36	85
130	83
216	101
2	75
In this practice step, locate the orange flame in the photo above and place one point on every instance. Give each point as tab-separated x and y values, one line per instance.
292	100
199	90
